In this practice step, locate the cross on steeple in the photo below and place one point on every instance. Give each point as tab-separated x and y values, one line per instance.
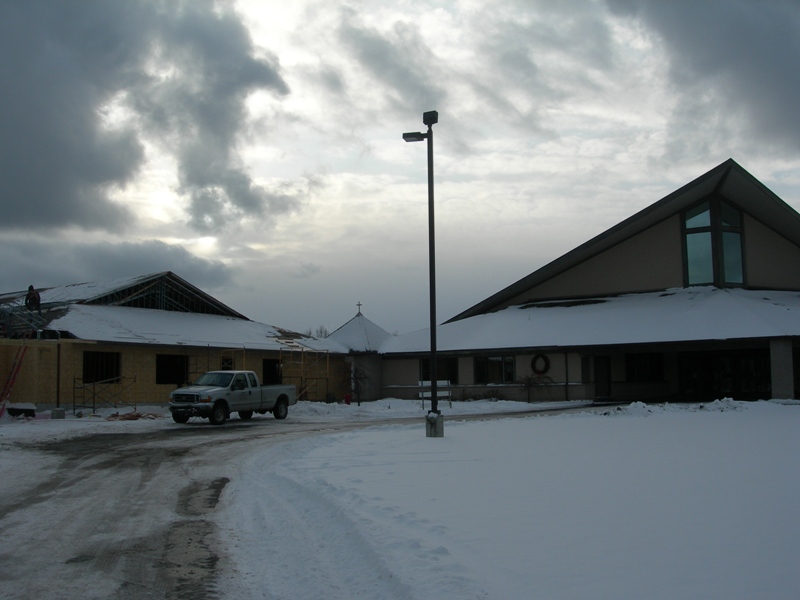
359	307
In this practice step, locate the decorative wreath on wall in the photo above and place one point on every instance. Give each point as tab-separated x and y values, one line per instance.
540	364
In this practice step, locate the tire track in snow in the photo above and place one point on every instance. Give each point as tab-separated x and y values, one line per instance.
301	545
291	534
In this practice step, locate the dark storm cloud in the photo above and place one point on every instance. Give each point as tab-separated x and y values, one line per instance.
197	106
523	59
399	60
181	70
544	52
46	262
56	160
732	60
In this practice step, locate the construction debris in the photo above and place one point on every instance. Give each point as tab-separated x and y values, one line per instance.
133	416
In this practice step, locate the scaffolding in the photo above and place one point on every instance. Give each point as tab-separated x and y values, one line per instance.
308	370
19	322
228	359
97	394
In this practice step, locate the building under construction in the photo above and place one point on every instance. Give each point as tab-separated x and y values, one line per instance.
131	341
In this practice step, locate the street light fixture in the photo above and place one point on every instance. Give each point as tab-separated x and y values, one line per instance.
430	118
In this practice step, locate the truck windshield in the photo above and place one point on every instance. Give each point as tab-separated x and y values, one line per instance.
215	379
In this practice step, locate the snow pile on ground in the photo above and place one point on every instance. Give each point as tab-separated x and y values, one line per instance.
631	502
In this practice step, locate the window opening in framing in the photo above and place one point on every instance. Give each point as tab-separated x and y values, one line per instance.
101	366
172	369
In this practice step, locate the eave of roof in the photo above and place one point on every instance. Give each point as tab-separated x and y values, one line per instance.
672	316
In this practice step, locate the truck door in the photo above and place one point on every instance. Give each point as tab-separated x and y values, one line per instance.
240	392
258	395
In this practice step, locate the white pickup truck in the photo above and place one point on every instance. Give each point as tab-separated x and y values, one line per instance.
217	394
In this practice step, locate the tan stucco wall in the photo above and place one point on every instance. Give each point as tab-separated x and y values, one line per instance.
401	371
564	367
649	261
771	260
371	371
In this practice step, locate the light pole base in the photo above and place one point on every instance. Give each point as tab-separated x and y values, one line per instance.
434	425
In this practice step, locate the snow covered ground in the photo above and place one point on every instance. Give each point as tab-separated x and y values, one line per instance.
668	501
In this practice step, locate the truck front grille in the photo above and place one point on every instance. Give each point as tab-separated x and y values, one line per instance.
190	398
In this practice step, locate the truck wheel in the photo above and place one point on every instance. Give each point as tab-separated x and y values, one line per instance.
219	414
245	415
180	418
281	409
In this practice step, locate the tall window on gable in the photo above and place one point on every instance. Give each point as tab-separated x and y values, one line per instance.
713	244
699	258
732	263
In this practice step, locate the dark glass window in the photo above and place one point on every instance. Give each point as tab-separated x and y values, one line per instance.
101	366
699	259
699	216
732	253
446	369
730	216
646	367
172	369
494	369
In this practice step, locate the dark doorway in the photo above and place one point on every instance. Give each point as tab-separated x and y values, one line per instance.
271	372
602	377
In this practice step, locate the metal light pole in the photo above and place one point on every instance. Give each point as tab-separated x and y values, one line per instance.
430	118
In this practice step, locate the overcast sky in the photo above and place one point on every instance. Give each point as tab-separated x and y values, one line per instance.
255	148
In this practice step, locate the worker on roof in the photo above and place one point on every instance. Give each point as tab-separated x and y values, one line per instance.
33	301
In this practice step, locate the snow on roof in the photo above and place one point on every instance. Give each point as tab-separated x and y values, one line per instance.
148	326
680	314
360	334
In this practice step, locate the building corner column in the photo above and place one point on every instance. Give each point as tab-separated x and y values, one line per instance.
781	368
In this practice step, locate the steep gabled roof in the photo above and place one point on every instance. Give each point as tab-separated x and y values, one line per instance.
728	179
162	291
360	334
